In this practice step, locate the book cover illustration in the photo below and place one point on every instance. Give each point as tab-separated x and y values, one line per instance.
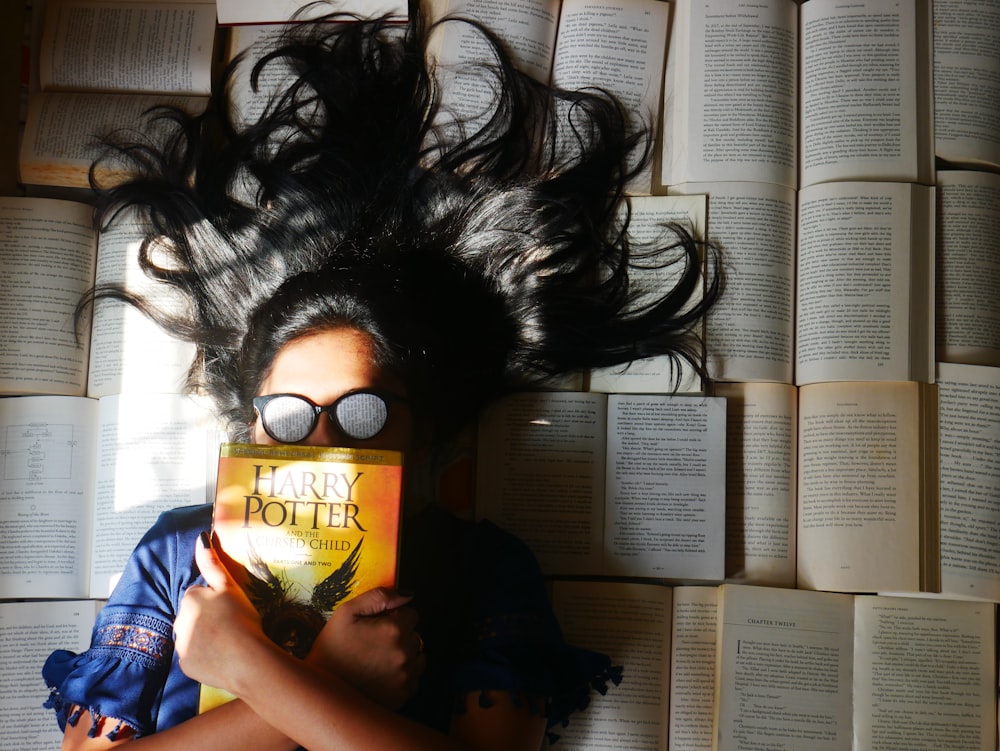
307	528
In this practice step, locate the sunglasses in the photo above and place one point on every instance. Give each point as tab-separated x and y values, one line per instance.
290	418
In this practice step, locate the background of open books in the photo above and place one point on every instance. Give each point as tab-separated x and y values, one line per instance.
11	35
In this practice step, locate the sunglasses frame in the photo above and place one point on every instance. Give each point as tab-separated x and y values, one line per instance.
261	402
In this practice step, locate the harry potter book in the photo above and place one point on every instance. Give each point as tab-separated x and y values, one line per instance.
307	528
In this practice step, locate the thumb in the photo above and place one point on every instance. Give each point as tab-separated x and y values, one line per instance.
376	602
210	564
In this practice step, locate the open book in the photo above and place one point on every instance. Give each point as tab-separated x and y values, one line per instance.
735	668
970	479
51	255
608	484
967	82
779	92
279	11
30	631
102	64
83	479
834	485
617	45
968	269
649	215
834	282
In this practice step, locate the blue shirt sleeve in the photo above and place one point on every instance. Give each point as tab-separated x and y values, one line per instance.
130	671
488	625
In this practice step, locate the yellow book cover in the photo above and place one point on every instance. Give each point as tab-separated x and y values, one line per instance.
309	527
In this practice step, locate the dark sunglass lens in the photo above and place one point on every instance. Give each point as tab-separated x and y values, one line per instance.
362	415
289	419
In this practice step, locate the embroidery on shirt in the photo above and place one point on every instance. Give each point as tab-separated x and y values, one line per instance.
139	638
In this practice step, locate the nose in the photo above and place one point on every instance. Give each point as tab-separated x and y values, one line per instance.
326	433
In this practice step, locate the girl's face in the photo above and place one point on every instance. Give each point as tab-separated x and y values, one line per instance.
323	367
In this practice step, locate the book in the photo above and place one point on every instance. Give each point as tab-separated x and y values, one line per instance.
51	255
970	479
935	536
761	482
851	467
740	667
310	527
29	632
968	273
102	64
966	83
664	639
829	670
81	480
779	92
608	484
281	11
615	45
831	282
648	217
750	331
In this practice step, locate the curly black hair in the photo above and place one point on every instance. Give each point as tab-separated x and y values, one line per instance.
481	256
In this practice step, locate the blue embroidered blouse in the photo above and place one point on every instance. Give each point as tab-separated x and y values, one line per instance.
484	619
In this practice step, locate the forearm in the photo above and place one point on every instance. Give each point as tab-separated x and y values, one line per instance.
232	725
322	712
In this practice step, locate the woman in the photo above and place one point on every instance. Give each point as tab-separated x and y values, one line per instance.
347	243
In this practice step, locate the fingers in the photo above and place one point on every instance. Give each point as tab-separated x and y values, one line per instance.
210	564
378	601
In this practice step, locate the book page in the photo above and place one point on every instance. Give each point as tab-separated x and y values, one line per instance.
692	668
102	45
540	475
784	669
29	633
924	674
61	135
278	11
665	498
246	103
129	352
749	332
618	46
969	404
649	214
865	283
761	451
47	250
47	450
630	623
866	69
860	487
968	268
730	93
527	27
967	81
155	452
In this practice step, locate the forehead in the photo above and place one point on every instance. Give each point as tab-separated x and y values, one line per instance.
327	364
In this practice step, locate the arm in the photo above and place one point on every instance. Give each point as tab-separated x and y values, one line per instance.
502	727
233	725
220	642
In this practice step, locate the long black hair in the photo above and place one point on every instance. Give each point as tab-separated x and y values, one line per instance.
481	256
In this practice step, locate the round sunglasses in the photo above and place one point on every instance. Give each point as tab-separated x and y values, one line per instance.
290	418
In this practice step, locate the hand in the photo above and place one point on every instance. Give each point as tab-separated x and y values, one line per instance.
371	642
216	625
